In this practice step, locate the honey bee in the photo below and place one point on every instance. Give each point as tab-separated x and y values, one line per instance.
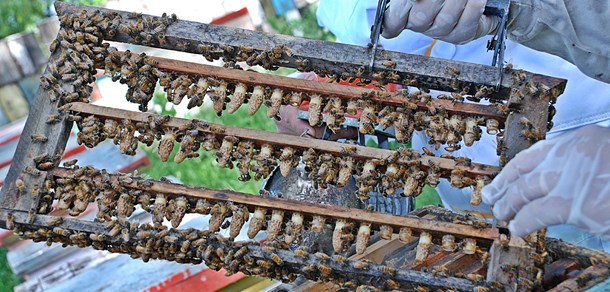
183	45
10	221
387	270
390	64
97	237
264	264
61	232
20	184
45	165
519	76
427	151
325	270
303	65
483	92
503	108
52	119
302	252
454	70
360	265
476	278
277	259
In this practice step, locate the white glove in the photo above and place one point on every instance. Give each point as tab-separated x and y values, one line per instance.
565	180
453	21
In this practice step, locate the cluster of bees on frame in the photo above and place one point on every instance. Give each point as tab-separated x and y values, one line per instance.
117	195
87	52
194	246
82	51
401	169
141	76
417	113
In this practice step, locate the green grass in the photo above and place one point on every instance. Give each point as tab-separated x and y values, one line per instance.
8	280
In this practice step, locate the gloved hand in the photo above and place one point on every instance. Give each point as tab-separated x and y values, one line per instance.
565	180
453	21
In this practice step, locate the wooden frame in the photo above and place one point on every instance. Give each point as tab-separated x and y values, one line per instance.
34	175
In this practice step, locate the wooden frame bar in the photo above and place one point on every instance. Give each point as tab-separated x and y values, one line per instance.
11	196
322	88
373	274
262	137
527	96
337	58
308	209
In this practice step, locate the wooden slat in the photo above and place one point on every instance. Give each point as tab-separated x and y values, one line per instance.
535	108
517	256
375	252
325	56
57	134
323	88
590	277
406	278
308	209
284	140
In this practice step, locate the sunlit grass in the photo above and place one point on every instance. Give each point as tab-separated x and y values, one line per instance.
8	280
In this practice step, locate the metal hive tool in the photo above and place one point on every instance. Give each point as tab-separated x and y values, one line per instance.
435	248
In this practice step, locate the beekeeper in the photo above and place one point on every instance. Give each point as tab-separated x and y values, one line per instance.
562	182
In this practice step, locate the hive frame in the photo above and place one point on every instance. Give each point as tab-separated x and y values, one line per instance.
19	199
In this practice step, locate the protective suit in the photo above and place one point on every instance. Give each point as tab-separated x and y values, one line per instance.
585	101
